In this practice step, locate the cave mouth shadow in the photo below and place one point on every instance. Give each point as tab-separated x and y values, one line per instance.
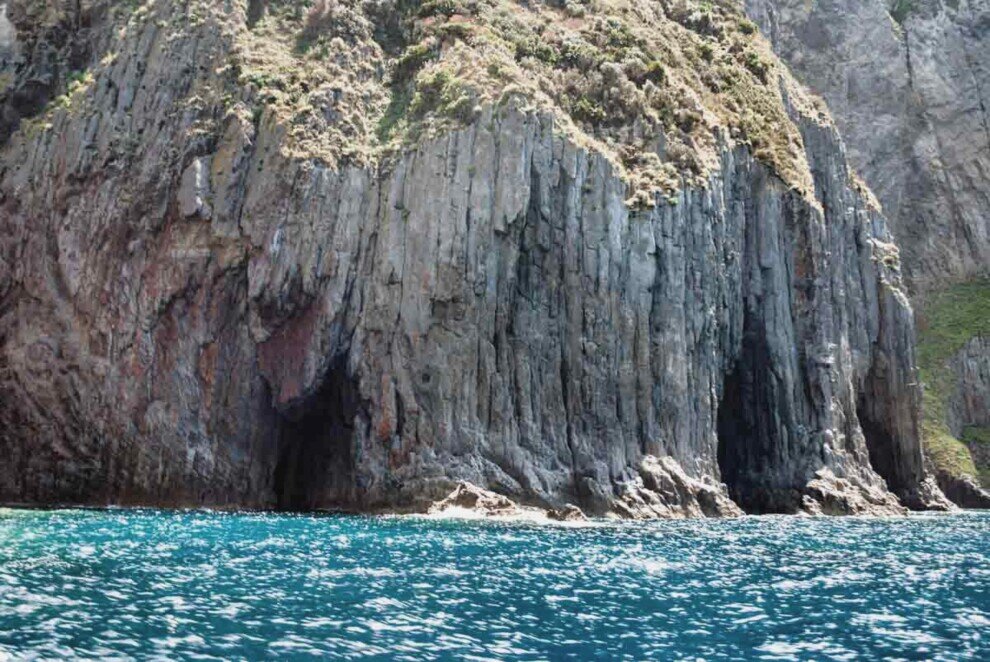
315	468
736	433
749	443
882	448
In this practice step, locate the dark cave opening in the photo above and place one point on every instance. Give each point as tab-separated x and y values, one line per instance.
881	447
749	431
887	417
315	467
731	428
735	430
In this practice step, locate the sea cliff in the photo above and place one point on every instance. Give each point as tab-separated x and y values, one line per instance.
348	255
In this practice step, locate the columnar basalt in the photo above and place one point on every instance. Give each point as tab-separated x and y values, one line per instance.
193	314
907	83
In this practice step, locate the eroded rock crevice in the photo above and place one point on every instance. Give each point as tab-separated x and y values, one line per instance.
882	449
735	430
748	441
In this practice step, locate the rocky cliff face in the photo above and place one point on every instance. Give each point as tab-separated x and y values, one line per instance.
204	302
968	417
970	403
908	84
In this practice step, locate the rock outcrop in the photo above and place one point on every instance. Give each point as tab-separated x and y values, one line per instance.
968	419
471	499
472	502
568	513
196	310
665	490
969	404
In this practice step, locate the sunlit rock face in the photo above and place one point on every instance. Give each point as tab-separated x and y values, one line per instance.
907	83
910	90
192	313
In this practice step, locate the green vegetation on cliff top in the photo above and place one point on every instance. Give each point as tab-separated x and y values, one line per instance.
659	87
947	321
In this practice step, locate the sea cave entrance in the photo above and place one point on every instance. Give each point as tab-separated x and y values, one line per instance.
749	435
315	467
738	441
889	456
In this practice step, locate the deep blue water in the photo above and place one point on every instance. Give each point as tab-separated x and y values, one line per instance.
199	585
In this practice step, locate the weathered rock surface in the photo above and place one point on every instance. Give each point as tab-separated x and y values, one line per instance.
190	316
912	100
470	501
968	409
665	490
42	44
8	43
468	498
909	89
827	494
568	513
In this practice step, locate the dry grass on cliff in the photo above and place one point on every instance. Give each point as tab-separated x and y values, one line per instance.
659	87
325	92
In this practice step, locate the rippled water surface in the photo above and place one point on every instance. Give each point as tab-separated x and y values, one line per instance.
201	585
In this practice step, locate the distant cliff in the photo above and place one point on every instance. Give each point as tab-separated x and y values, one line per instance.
347	254
909	86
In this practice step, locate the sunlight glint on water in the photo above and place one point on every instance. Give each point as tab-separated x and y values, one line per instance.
180	585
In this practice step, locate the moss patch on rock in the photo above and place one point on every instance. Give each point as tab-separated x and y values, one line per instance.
947	320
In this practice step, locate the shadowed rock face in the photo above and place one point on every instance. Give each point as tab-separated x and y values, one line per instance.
912	100
189	316
315	464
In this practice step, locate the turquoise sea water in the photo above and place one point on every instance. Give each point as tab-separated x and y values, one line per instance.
194	585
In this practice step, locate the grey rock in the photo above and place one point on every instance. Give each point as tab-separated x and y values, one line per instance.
468	497
830	495
912	102
194	190
964	491
969	403
568	513
8	42
484	308
665	490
